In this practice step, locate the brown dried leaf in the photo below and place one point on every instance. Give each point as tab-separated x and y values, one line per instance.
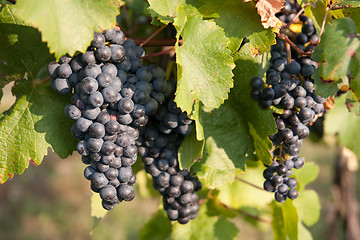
329	103
267	10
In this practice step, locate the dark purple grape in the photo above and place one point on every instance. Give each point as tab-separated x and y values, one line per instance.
268	186
103	54
281	198
117	53
293	194
126	193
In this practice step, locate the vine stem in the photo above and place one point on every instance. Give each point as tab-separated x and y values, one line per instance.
288	50
153	35
297	15
158	53
287	39
156	42
249	183
210	196
323	24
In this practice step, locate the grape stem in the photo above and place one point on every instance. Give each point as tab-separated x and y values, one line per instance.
297	16
210	196
288	50
286	39
156	42
153	35
158	53
323	24
249	183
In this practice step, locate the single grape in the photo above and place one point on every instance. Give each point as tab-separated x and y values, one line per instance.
126	105
72	112
126	193
89	85
103	54
52	69
119	37
125	174
110	69
98	40
91	70
96	99
293	194
61	85
97	130
109	94
99	180
88	57
117	53
257	83
108	192
94	144
281	198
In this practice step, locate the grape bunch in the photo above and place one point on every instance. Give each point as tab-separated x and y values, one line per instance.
113	95
158	147
123	108
289	88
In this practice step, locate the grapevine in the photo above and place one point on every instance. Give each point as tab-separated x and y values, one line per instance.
207	111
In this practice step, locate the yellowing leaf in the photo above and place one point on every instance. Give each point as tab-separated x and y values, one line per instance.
267	10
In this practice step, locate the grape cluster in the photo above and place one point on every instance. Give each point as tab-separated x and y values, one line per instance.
158	147
289	88
123	108
113	96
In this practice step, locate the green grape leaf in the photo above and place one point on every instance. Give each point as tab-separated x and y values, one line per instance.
158	227
355	16
22	54
290	216
233	194
190	150
205	227
277	223
337	50
97	211
307	174
237	129
240	19
68	26
205	63
304	233
285	221
345	124
164	10
308	207
345	4
20	143
215	168
36	122
260	122
216	208
326	89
